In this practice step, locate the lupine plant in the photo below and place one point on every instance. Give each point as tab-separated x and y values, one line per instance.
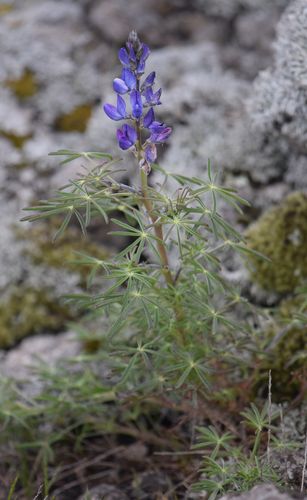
169	312
229	468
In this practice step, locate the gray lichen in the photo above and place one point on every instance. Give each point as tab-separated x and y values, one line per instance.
278	105
229	9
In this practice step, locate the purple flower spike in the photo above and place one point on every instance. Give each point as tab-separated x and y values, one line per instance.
116	113
149	118
151	153
160	136
152	98
143	98
136	104
126	137
123	56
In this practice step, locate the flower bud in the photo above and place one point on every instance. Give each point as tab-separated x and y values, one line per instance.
134	40
145	166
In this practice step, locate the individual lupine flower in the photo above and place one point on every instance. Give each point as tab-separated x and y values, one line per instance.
141	64
116	113
149	118
123	56
149	81
125	83
136	103
150	153
159	132
152	98
126	137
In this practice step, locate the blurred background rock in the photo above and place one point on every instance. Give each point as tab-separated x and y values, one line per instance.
234	80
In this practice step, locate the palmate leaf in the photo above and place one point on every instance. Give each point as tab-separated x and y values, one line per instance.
243	249
73	155
210	438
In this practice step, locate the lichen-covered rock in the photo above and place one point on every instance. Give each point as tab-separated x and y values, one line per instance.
35	274
278	104
281	235
76	120
28	311
47	349
23	87
231	9
261	492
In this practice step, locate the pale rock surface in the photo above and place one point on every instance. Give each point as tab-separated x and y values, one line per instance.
41	350
262	492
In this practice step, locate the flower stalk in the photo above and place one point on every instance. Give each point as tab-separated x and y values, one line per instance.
142	98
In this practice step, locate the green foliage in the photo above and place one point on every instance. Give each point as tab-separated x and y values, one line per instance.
169	333
229	468
165	326
281	235
72	407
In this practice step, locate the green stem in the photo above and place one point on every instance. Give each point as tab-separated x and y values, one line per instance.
256	444
158	231
158	228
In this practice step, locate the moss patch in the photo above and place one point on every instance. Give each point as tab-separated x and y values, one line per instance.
23	87
76	120
30	311
17	140
5	8
281	235
286	352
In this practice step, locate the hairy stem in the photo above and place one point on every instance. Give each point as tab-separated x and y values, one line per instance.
148	205
158	231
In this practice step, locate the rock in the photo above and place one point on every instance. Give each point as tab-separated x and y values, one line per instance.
278	104
261	492
151	484
230	10
104	492
14	119
45	349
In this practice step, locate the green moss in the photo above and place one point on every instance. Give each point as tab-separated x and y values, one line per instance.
30	311
281	235
17	140
286	352
5	8
76	120
23	87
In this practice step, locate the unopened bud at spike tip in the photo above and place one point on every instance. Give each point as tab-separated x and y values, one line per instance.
134	40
